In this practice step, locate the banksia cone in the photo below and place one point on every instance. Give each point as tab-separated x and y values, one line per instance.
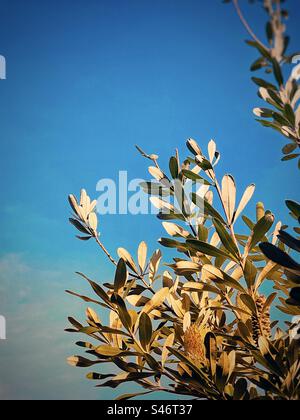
261	324
194	344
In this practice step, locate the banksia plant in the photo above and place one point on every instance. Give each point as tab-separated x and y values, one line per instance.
261	324
199	324
194	344
280	255
281	110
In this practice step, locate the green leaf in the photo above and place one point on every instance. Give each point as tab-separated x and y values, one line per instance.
219	277
249	302
182	199
289	148
206	248
84	298
97	376
258	64
248	222
263	112
289	113
106	350
84	238
109	330
174	169
97	289
261	49
270	124
260	229
278	256
288	240
204	164
170	243
79	226
250	273
145	330
203	233
294	207
277	72
120	276
208	209
122	310
193	147
155	189
226	239
89	330
125	397
269	32
263	83
156	300
79	361
240	389
290	157
171	216
195	177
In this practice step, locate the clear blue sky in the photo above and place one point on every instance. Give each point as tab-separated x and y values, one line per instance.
86	80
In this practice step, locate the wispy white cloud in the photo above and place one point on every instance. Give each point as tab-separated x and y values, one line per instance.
33	358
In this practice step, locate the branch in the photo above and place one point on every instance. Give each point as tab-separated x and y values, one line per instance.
105	251
246	25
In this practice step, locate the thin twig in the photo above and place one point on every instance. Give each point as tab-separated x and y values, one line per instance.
246	25
105	251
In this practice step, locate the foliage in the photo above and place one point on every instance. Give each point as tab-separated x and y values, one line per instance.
291	268
201	326
282	96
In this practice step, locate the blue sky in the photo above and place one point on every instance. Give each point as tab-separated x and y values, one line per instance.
86	81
